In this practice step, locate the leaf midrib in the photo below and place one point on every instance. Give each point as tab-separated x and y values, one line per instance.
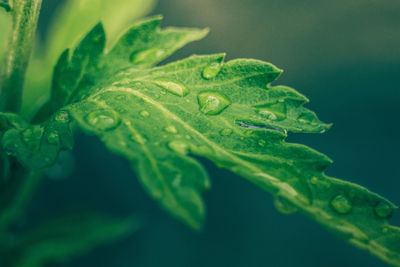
188	127
322	216
153	161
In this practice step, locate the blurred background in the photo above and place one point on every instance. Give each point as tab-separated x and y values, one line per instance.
343	55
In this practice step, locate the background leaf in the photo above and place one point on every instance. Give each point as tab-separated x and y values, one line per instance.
62	238
37	146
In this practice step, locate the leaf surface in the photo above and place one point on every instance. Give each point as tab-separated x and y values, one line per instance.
158	118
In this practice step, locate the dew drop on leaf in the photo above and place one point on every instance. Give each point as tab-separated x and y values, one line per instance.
383	210
341	204
275	111
226	132
314	180
53	138
139	57
175	88
284	206
171	129
103	120
144	114
32	136
212	103
62	116
27	135
212	70
178	146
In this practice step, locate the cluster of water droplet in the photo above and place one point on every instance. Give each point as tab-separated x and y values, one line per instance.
103	119
343	205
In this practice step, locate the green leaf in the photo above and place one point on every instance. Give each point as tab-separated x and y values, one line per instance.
60	239
73	74
160	117
35	146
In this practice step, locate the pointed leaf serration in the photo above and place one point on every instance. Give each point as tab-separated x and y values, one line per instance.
158	117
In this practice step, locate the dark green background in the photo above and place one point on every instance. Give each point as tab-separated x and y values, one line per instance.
342	54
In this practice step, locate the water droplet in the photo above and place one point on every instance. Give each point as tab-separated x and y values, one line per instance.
226	132
53	138
383	210
175	88
139	57
314	180
261	142
212	70
62	116
212	103
103	120
144	114
275	111
27	135
32	136
179	147
171	129
284	206
341	204
121	97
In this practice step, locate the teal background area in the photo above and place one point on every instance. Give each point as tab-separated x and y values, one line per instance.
343	55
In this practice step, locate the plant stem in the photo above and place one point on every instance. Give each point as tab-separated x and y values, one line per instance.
24	15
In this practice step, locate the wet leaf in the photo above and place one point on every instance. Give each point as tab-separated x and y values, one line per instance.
227	112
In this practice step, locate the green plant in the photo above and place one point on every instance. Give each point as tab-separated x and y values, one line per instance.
158	118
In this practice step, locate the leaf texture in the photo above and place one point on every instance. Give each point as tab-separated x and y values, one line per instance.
227	112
